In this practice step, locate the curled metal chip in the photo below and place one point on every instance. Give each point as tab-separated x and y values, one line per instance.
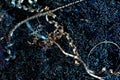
27	5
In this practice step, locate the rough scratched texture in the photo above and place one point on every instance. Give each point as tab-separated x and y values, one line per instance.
88	23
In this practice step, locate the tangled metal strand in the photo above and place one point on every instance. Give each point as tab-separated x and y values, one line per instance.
72	45
106	42
57	34
38	15
60	30
11	33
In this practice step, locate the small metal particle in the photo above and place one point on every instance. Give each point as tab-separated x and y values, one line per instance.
30	5
30	1
35	0
13	2
25	8
21	1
